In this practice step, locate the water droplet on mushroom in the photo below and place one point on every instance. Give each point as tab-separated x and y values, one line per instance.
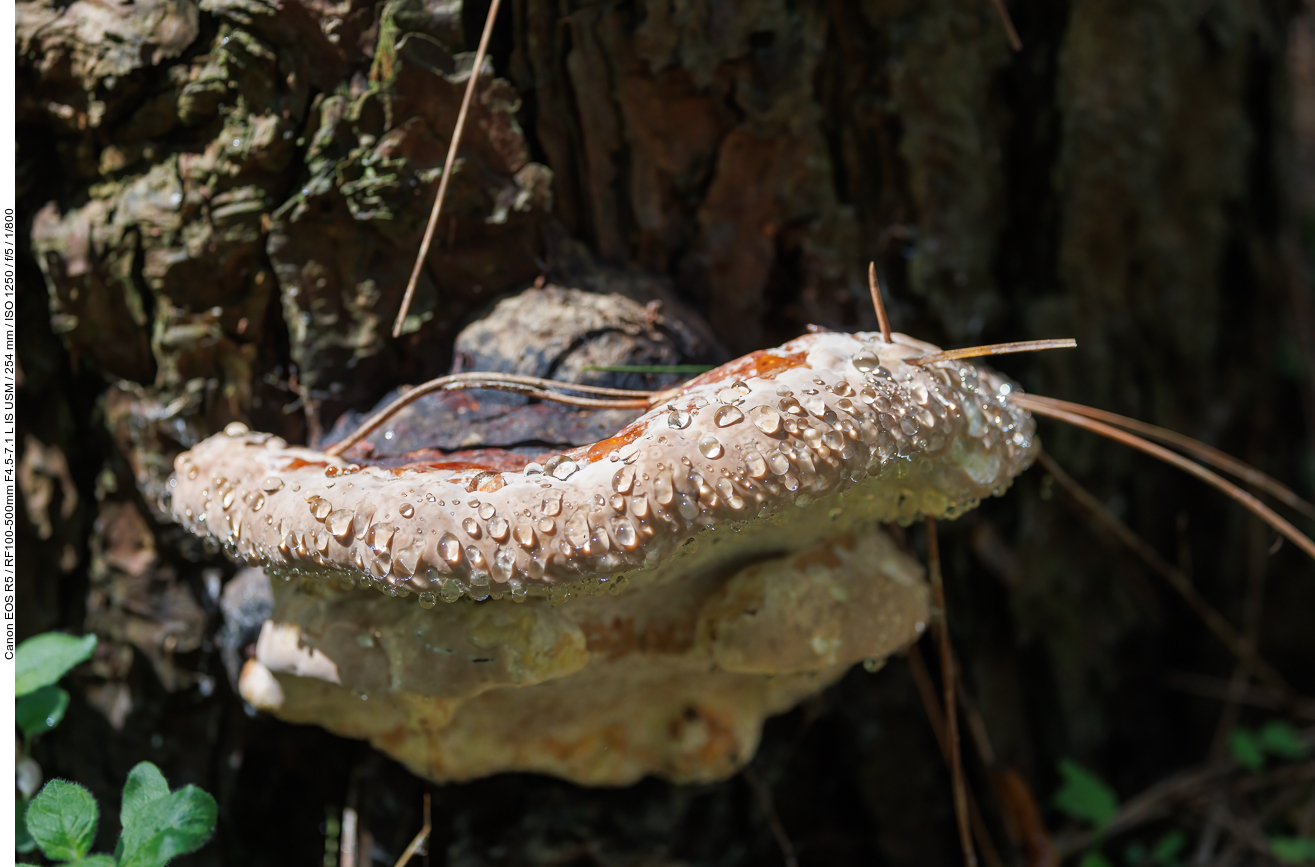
406	510
552	504
565	470
726	490
662	489
833	440
257	502
728	395
534	468
319	539
193	472
379	537
843	388
639	506
865	361
815	405
270	485
504	564
617	502
755	464
790	405
624	480
381	563
547	525
471	526
499	528
766	419
523	533
407	560
920	393
339	523
487	511
678	419
741	386
727	416
229	496
625	534
710	447
427	600
476	558
600	541
449	549
236	429
577	529
319	507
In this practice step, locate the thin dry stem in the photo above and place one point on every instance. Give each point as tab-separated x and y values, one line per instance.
1214	621
1265	513
447	168
531	386
877	304
931	705
1197	449
1010	32
994	349
347	840
418	840
764	798
947	691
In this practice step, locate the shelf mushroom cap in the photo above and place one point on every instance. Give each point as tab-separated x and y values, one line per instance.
774	431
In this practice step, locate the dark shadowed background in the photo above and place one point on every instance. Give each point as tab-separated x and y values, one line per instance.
220	201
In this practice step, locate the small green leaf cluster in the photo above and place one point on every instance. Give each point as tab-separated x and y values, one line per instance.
158	825
39	663
1277	738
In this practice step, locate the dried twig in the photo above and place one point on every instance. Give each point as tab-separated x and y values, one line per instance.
447	167
418	840
995	349
1011	33
1214	621
764	799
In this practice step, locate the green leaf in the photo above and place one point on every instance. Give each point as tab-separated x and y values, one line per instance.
167	827
1094	859
1293	850
40	711
94	861
1167	847
62	819
23	841
44	659
145	785
1084	796
1280	738
1245	747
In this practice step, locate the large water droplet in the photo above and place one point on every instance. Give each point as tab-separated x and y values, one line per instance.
320	540
833	440
471	526
476	558
639	506
815	405
843	388
865	362
193	472
499	528
710	447
600	541
755	464
449	549
790	405
617	502
227	501
678	419
552	504
257	502
726	490
727	416
778	463
662	490
523	533
379	537
624	480
729	395
380	565
625	534
577	529
408	559
487	511
560	467
547	525
236	429
319	507
406	510
427	600
504	564
766	419
451	590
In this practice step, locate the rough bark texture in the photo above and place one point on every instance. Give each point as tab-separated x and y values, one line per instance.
221	199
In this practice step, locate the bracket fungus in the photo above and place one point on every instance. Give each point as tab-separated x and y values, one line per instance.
714	562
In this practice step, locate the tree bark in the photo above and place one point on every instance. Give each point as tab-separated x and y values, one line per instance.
221	201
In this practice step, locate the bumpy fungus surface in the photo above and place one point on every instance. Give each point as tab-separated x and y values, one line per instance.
714	562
